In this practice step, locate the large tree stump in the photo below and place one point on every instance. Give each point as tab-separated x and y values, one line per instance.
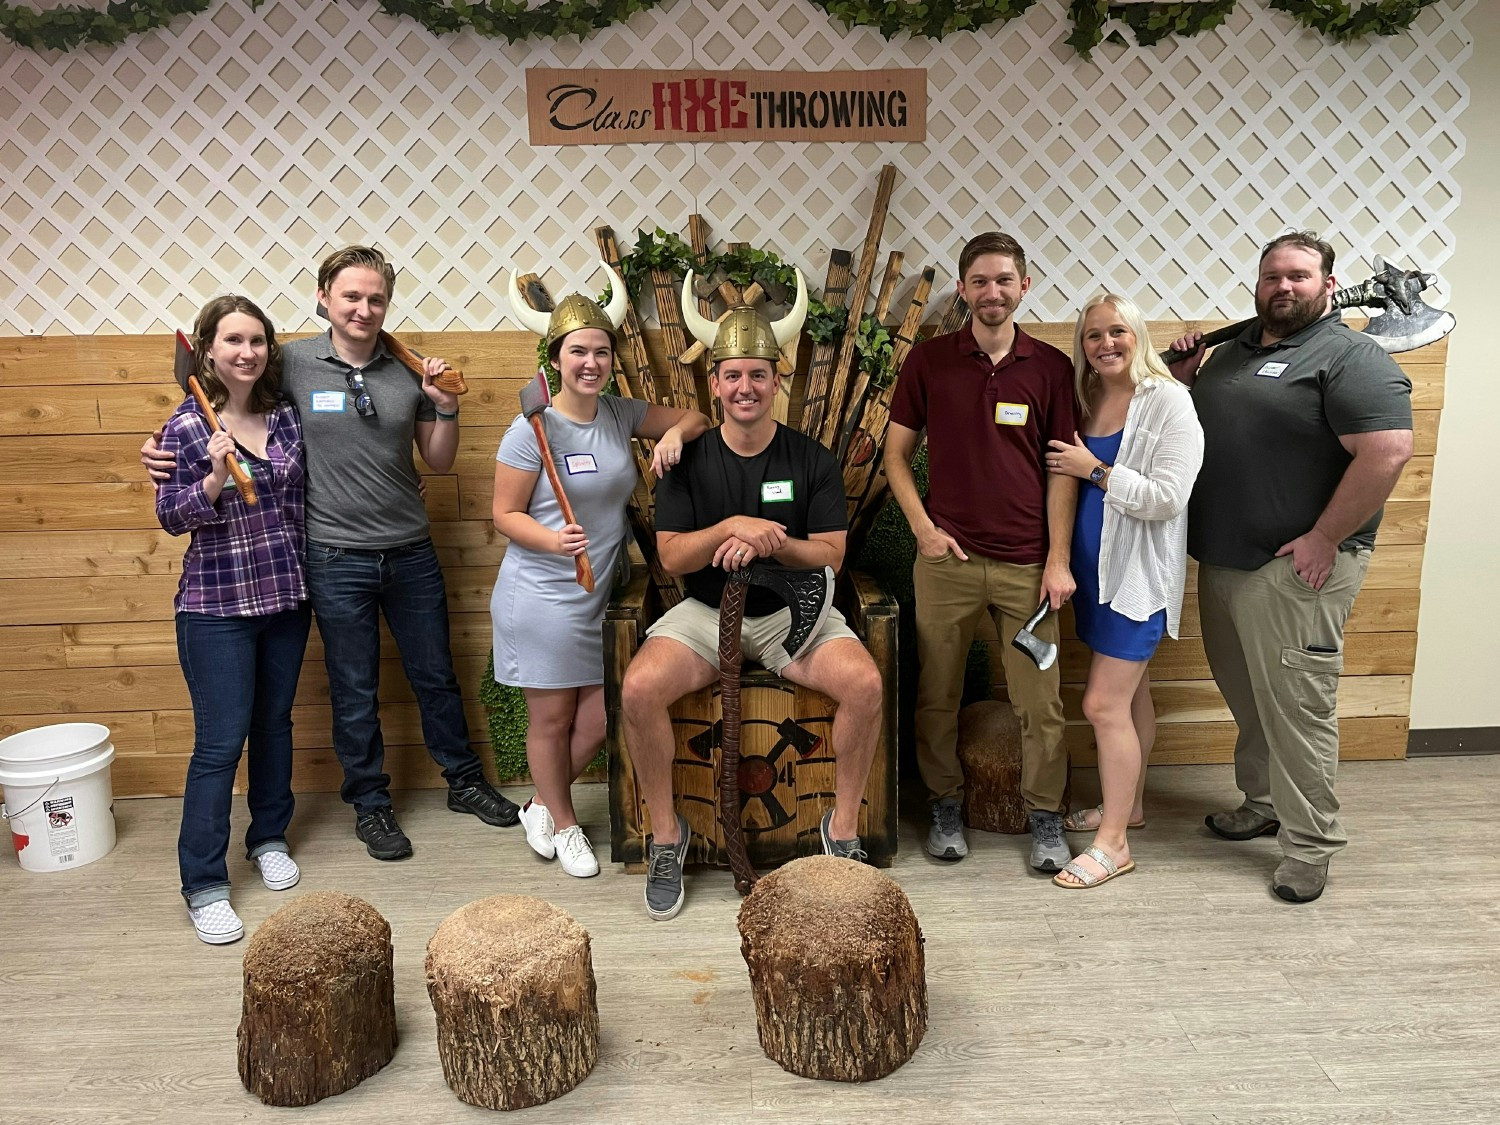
989	749
512	982
837	969
320	1009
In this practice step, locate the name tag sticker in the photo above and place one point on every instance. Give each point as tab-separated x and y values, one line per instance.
328	402
775	491
1272	370
577	463
1011	413
229	482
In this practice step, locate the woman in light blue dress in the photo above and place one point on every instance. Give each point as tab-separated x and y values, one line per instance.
548	631
1137	458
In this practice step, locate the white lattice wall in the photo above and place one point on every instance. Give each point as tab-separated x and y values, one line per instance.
232	150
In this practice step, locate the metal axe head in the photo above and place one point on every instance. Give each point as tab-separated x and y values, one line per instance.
184	362
1043	653
536	395
1406	322
807	593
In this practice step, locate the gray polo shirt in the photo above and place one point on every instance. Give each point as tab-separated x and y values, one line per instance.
1272	419
361	472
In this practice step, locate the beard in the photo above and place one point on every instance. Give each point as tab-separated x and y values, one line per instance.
992	315
1287	318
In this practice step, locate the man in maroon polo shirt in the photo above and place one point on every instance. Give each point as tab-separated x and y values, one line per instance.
994	533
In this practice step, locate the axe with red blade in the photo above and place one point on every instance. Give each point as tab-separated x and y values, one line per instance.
185	367
536	396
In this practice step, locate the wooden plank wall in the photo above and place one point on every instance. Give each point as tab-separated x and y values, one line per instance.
87	576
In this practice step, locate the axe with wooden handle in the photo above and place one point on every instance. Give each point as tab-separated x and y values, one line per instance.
185	368
535	398
1406	323
451	380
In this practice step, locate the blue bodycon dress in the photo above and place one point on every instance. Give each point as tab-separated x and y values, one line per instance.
1099	626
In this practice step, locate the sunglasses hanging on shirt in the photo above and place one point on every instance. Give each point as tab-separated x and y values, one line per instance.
362	401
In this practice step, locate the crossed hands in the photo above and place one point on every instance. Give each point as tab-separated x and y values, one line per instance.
749	539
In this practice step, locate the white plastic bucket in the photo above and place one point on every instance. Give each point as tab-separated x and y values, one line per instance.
57	795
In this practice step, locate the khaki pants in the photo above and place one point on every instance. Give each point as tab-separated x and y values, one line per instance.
1258	629
951	597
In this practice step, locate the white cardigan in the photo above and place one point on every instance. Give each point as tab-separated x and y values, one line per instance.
1143	547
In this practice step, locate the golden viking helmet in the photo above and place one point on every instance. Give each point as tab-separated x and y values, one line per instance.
744	332
573	312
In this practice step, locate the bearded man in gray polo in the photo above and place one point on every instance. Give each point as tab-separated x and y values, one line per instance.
1306	427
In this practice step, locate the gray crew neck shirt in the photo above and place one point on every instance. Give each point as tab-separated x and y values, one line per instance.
361	472
1272	418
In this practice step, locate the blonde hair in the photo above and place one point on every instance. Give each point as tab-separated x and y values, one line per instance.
1145	364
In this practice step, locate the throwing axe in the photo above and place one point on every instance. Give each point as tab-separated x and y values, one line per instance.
185	368
1043	653
536	396
809	595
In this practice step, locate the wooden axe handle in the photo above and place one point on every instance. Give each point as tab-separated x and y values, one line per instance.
451	380
242	479
582	568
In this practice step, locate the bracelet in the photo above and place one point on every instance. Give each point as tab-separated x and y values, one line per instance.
442	417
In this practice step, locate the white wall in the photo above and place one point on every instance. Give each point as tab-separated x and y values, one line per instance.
1457	681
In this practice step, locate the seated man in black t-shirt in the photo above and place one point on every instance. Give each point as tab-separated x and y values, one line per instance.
749	489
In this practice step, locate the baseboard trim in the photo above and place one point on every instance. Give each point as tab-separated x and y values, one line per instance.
1445	742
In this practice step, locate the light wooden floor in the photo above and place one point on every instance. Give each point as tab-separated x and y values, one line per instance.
1184	993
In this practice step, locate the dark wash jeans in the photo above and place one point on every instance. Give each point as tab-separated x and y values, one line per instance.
242	674
350	590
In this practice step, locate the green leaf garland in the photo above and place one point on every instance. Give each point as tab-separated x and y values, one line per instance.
70	26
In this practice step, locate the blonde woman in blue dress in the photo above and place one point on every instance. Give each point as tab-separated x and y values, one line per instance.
1138	456
548	631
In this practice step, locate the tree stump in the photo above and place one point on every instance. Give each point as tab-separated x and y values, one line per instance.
989	749
320	1008
837	969
512	982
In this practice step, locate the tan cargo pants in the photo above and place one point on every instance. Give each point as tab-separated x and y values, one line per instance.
1276	648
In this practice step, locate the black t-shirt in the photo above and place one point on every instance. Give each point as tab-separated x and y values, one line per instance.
794	481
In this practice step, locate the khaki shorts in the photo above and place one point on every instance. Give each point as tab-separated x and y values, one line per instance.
696	625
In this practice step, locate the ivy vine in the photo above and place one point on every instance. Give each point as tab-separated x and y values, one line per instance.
66	27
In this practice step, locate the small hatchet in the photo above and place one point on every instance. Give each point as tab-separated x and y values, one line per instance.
185	368
535	398
1043	653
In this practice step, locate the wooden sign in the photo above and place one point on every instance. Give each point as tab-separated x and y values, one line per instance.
593	107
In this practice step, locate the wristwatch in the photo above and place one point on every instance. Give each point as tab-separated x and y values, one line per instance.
1100	471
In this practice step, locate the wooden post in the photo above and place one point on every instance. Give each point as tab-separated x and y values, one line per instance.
838	384
955	316
820	366
855	406
635	352
864	468
674	338
837	969
319	1012
512	982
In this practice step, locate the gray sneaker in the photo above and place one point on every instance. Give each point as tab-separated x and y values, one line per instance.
946	840
842	849
1049	848
664	873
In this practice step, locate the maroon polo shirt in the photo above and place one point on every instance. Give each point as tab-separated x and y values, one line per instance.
987	431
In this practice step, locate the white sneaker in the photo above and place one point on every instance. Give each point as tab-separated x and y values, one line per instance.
217	923
575	853
539	828
278	870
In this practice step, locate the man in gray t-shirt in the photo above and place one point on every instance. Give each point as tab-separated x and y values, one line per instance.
369	551
1306	428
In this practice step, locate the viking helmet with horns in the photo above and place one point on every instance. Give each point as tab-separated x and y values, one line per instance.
745	332
573	312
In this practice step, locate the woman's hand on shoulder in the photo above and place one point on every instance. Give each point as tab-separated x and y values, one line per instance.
668	452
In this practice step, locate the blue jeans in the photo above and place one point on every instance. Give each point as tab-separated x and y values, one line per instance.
242	675
350	590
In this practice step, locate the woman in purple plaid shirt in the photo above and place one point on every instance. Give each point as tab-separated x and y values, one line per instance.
242	610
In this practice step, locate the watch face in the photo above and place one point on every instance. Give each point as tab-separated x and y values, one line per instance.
1098	474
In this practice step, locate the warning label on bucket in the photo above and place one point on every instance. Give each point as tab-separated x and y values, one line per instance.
62	828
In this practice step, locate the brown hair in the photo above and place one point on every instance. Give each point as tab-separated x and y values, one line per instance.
1307	240
991	242
351	257
267	390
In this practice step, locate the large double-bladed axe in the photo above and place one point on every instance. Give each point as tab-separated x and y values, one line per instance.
1405	323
